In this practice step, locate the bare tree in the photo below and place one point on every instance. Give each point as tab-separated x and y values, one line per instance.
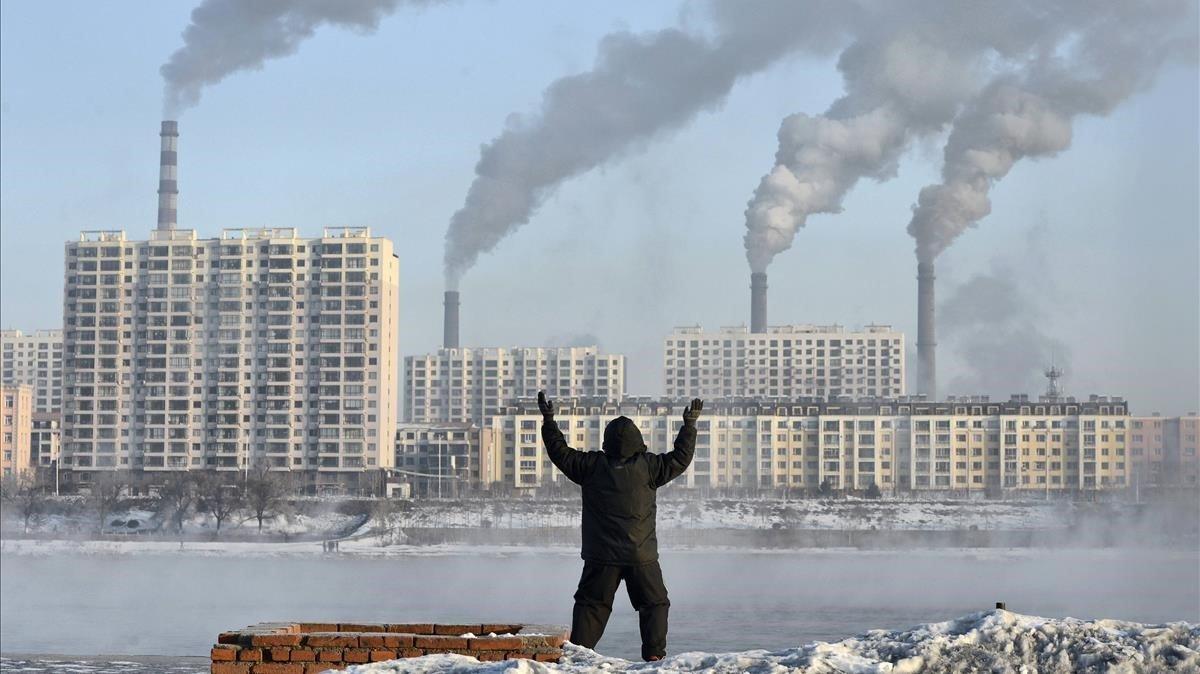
27	495
105	494
691	510
217	498
264	493
74	510
178	495
825	489
763	510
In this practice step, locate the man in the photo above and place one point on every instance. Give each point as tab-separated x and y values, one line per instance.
619	539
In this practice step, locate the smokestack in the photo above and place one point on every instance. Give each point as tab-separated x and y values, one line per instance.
926	344
450	320
758	301
168	183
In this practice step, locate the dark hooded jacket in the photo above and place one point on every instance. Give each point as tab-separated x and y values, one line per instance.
619	488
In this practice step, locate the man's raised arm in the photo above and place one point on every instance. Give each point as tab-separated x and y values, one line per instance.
573	463
673	463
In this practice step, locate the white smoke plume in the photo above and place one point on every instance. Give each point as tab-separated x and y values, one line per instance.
911	71
642	85
229	36
899	89
1112	55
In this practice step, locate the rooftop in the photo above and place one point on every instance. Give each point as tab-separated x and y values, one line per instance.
902	406
794	329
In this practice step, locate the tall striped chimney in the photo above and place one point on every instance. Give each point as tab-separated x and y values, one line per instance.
450	320
758	302
926	340
168	179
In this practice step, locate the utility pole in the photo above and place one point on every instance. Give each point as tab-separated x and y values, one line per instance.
441	447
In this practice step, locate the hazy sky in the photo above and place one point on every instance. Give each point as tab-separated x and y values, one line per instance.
1100	244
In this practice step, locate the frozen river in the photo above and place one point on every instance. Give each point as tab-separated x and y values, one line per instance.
176	604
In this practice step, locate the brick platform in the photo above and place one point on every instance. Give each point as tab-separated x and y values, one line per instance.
301	648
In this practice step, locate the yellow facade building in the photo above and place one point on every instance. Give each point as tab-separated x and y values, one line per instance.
963	446
16	426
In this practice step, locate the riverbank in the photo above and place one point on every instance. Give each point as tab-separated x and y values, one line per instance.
372	541
566	544
306	524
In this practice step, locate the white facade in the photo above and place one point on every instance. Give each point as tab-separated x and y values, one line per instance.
786	362
472	384
257	347
34	359
45	438
961	446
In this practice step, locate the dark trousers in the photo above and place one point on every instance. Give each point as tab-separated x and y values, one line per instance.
594	600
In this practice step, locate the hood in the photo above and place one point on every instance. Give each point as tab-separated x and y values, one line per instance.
622	439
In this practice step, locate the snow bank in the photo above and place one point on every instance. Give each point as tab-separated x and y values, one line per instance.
841	514
995	641
312	520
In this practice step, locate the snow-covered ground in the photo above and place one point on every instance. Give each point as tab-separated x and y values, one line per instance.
840	514
315	518
312	521
993	641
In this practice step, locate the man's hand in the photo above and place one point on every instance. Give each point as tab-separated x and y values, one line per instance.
545	405
692	412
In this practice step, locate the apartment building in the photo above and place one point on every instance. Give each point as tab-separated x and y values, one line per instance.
902	445
1165	451
16	424
34	359
445	459
787	362
469	385
255	348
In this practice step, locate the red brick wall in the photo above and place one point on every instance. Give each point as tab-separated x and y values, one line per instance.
301	648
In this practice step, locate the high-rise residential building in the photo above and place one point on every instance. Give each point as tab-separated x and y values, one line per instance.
958	446
445	459
469	385
16	424
34	359
786	362
1165	452
255	348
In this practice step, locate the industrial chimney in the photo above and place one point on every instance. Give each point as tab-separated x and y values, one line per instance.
450	320
758	301
168	183
926	341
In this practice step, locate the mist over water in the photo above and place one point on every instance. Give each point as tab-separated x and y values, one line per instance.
721	601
